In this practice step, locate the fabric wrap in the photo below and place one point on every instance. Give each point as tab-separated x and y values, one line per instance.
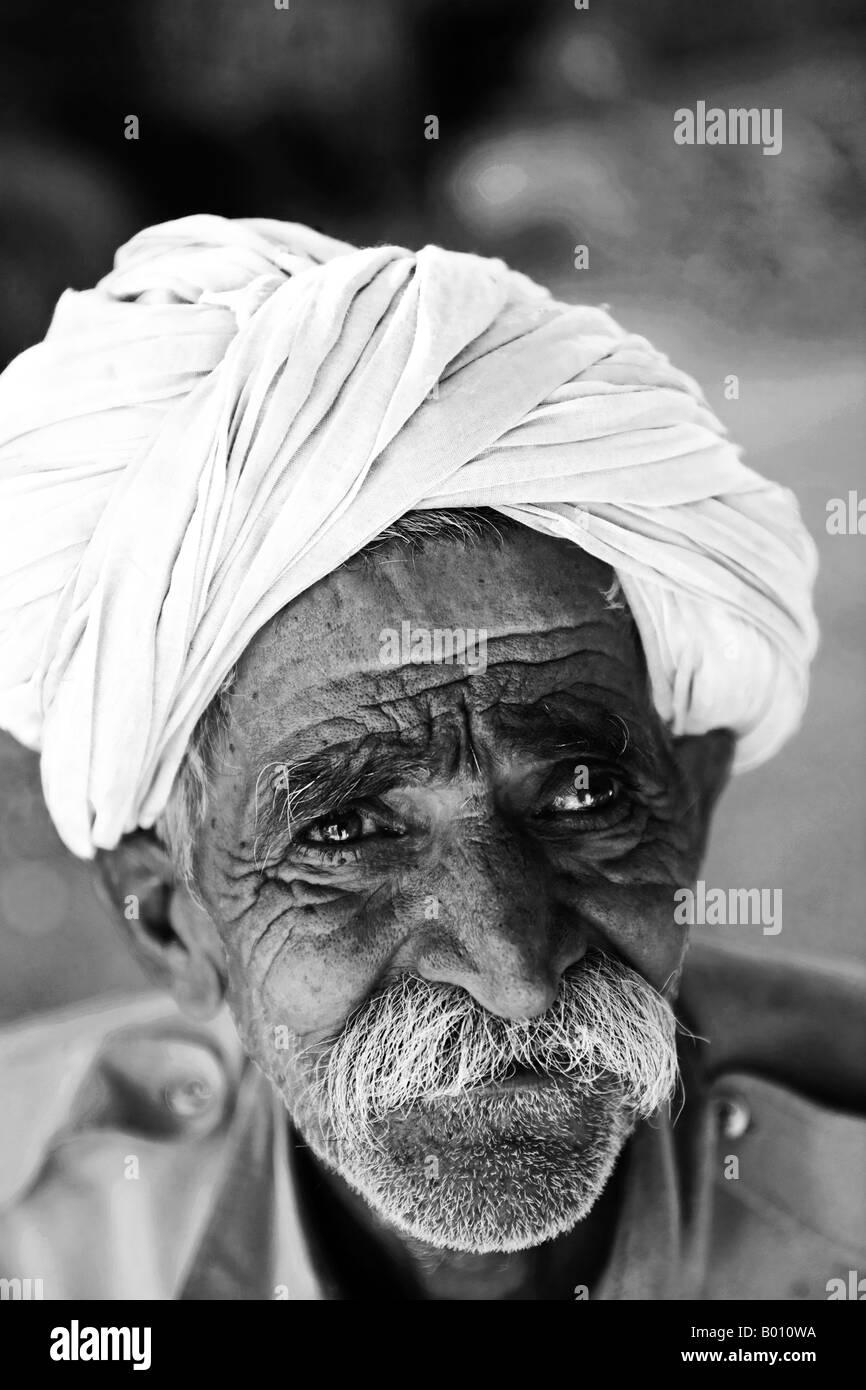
240	406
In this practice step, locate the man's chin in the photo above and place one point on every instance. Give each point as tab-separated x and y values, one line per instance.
491	1171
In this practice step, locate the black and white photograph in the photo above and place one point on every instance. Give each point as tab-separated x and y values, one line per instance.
432	668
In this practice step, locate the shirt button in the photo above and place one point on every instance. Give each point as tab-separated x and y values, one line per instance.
189	1097
734	1117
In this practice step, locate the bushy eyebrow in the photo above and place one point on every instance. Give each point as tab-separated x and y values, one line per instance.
564	721
289	794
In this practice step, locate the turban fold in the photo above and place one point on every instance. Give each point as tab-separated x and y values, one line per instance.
240	406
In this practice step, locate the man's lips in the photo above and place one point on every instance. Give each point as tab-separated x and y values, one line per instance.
523	1078
520	1079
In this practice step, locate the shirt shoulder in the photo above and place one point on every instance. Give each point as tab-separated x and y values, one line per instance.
796	1020
135	1060
783	1045
126	1105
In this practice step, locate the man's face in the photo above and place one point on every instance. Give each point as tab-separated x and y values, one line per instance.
445	892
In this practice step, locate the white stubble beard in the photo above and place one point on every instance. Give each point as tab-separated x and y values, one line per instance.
398	1107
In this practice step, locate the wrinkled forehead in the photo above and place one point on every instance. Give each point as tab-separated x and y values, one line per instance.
400	638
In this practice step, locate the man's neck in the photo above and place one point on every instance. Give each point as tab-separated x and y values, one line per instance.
366	1258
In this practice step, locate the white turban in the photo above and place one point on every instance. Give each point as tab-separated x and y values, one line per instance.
240	406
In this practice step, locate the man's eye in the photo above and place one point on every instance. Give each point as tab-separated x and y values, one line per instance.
347	827
591	792
337	830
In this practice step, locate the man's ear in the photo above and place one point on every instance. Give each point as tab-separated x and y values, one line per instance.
705	763
171	935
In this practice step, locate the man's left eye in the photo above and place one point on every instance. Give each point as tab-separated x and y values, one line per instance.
590	793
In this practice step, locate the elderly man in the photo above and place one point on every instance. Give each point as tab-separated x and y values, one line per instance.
388	631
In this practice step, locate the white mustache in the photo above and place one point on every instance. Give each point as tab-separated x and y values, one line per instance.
418	1041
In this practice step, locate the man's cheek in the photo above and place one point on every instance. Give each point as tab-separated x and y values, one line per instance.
300	974
636	923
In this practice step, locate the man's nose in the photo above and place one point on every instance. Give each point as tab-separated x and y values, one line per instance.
497	933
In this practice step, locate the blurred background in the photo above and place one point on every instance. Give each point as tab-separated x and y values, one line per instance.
555	130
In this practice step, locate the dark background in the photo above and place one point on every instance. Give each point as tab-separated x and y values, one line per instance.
555	129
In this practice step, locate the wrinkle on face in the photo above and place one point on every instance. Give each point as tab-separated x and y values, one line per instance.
309	942
386	834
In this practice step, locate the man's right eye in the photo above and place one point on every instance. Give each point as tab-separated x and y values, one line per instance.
349	826
338	829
